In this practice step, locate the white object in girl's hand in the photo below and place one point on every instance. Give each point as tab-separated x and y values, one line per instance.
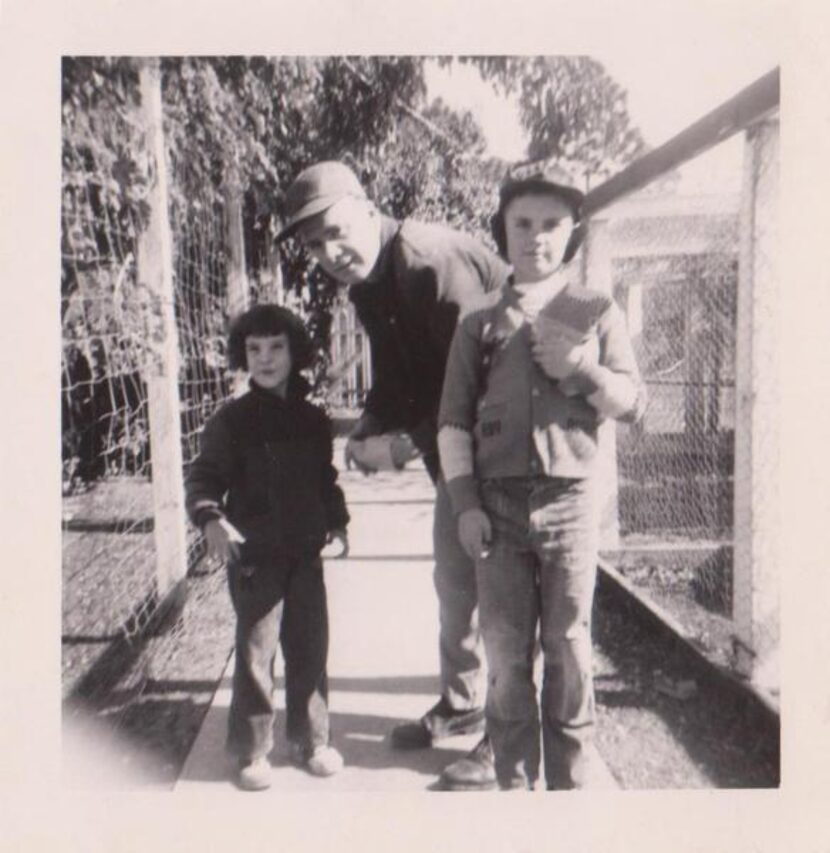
233	534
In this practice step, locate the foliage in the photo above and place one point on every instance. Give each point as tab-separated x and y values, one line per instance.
572	110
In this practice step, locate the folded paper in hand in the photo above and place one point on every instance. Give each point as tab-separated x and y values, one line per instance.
573	314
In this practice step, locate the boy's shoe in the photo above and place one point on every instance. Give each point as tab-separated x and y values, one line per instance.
322	760
256	775
475	772
440	721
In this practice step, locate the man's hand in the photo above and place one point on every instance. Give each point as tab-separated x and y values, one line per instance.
474	532
354	456
366	426
337	544
220	546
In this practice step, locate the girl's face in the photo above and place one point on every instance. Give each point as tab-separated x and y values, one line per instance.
538	228
269	361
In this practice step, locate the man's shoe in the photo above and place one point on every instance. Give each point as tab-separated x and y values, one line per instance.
256	775
440	721
474	772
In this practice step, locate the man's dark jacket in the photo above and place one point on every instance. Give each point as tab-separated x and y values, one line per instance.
409	306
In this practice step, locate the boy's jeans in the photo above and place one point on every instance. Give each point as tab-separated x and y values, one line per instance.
461	651
540	570
283	601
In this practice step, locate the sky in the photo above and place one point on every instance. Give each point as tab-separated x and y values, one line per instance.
666	92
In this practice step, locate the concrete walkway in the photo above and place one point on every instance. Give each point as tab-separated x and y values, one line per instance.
383	654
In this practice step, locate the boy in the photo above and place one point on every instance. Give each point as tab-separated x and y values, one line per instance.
263	490
529	378
409	282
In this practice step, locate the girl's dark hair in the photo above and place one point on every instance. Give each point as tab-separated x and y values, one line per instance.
264	320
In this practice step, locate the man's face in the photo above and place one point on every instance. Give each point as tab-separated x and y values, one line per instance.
269	361
538	228
344	240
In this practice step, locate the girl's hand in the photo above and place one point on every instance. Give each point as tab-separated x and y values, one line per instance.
339	542
474	532
219	544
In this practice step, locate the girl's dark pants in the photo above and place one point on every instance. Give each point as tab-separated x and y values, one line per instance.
281	600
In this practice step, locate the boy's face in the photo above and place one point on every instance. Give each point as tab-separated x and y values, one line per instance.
344	240
538	228
269	361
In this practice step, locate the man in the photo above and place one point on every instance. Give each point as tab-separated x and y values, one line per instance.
409	283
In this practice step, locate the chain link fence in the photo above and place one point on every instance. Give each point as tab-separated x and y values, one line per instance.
678	257
680	299
108	552
112	595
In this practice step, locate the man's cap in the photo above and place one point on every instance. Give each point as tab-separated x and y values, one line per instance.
316	189
539	176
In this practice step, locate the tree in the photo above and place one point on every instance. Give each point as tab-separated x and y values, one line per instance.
571	108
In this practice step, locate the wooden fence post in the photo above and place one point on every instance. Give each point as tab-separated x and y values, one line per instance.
271	277
756	587
239	292
155	278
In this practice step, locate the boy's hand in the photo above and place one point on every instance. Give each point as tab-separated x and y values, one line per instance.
474	532
337	544
560	352
558	358
367	425
220	545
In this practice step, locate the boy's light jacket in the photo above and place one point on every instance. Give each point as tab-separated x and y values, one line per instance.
520	420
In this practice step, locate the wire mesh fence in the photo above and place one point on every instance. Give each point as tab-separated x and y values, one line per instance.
112	595
673	256
108	555
675	465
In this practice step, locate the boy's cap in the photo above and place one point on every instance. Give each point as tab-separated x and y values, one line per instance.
539	175
316	189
